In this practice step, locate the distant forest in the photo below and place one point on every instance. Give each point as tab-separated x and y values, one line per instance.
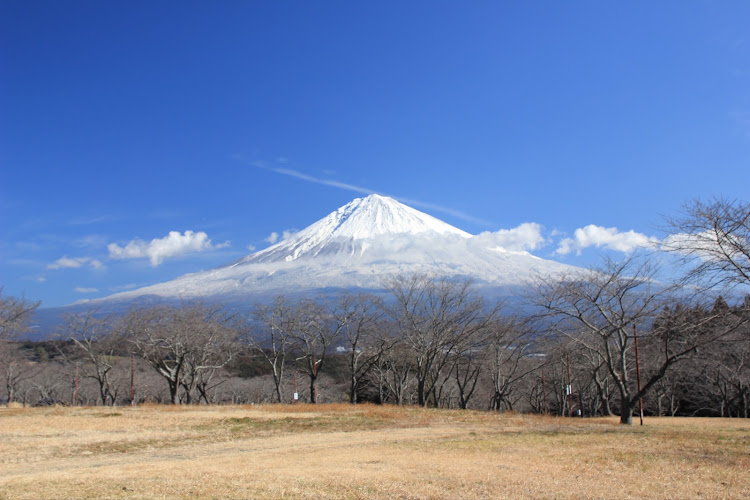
605	341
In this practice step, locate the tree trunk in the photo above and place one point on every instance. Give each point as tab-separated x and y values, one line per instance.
173	390
626	412
313	390
277	384
421	400
353	390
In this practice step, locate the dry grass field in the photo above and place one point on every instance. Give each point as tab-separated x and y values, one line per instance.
342	451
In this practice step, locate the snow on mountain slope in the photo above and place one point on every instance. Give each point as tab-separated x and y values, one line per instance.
357	246
348	229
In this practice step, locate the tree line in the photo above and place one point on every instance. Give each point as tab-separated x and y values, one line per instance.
608	340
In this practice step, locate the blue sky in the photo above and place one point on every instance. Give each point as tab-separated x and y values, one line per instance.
224	122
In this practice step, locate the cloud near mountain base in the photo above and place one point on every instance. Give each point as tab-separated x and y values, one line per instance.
525	237
158	249
607	237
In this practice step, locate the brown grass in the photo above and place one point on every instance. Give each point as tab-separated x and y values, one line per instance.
341	451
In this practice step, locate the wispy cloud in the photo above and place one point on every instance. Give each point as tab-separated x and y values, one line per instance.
80	289
122	288
158	249
66	262
358	189
604	237
89	220
272	238
39	278
90	241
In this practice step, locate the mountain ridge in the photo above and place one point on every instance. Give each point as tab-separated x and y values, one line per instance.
356	246
361	219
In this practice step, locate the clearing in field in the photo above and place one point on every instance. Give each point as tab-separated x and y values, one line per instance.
364	451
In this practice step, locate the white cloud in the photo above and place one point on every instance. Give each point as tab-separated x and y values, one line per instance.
80	289
66	262
527	236
607	237
251	248
275	237
703	245
158	249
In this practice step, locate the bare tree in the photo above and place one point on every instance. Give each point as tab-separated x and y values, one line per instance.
16	369
714	238
434	316
179	342
467	367
718	371
317	330
215	347
506	344
274	341
50	385
95	339
15	314
395	374
365	337
601	309
596	367
598	309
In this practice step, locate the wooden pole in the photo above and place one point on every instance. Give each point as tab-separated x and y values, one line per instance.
544	392
75	396
638	371
314	388
132	380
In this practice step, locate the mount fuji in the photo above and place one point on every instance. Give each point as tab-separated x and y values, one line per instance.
356	247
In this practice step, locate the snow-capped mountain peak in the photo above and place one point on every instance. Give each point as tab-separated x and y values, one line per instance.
351	227
375	215
357	247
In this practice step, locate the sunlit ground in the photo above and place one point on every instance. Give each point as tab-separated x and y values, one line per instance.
343	451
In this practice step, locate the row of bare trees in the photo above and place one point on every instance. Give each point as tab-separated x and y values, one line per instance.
435	343
597	342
